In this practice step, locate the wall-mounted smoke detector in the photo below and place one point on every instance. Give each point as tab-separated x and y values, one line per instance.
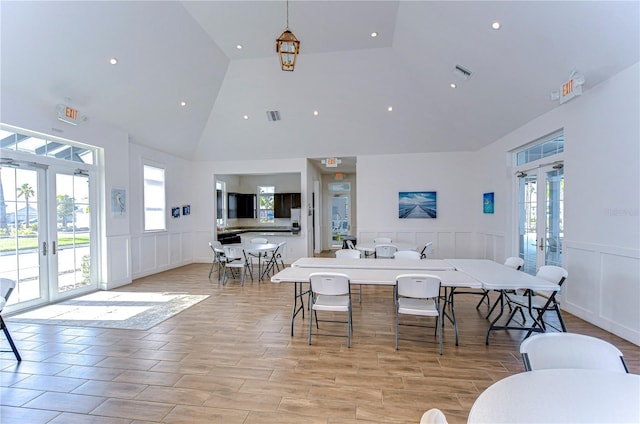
273	115
462	72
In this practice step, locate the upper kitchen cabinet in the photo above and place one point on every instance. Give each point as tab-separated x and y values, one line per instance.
284	202
241	205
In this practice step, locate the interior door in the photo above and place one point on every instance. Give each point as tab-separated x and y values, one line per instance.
541	216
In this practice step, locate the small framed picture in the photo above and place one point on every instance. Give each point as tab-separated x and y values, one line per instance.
175	212
186	210
487	202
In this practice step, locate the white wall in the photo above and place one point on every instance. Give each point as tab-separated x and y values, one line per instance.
451	175
152	252
602	200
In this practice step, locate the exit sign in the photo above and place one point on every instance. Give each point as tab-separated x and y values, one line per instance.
68	114
570	89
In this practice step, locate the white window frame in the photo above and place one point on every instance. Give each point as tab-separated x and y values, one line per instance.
266	191
221	221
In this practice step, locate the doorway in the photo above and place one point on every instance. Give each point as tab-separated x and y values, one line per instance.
47	232
541	216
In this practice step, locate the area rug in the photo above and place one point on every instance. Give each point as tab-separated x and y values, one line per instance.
107	309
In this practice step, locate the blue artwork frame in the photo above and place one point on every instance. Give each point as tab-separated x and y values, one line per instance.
487	203
175	212
417	205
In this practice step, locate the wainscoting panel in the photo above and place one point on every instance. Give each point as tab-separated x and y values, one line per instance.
603	287
119	270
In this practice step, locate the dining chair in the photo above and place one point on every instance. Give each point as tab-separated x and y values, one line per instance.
426	250
407	254
6	288
385	250
512	262
541	301
235	258
218	257
433	416
350	244
330	292
258	255
352	254
570	350
418	294
382	240
272	259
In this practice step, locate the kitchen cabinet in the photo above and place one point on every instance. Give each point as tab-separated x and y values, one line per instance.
284	202
241	205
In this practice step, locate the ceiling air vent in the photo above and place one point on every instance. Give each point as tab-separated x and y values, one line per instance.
273	115
462	72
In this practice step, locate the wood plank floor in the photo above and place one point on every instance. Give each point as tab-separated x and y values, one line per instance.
231	359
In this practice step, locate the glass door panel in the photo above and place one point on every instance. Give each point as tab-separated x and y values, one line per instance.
340	216
72	236
23	233
541	229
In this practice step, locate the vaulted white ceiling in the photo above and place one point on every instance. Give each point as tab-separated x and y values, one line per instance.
172	51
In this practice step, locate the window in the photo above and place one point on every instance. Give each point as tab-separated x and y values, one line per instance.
541	148
154	194
221	204
46	146
266	200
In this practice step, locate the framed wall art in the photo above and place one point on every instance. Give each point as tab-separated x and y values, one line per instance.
417	204
487	202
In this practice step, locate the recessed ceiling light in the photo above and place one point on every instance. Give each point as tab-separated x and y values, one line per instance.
390	108
246	117
374	34
452	85
183	103
316	113
239	46
113	61
496	25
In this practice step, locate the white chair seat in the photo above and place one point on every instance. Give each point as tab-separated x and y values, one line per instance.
407	305
332	303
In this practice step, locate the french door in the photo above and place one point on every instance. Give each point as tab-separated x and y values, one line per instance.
540	220
46	233
340	219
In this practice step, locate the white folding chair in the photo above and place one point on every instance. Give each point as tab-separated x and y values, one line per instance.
218	257
426	250
418	294
382	240
330	292
350	244
6	287
235	258
433	416
512	262
352	254
540	301
407	254
385	251
258	255
272	261
570	350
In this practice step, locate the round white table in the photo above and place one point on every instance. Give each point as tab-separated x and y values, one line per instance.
560	396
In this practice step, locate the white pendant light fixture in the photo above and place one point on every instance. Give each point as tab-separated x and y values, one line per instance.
288	47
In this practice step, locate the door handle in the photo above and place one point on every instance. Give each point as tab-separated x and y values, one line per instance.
53	247
44	248
541	245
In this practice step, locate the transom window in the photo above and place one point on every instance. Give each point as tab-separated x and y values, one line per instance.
43	146
541	148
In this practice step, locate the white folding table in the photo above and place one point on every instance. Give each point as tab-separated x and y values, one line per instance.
496	276
351	263
387	277
560	396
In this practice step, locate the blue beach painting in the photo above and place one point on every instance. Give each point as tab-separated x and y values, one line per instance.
417	204
487	203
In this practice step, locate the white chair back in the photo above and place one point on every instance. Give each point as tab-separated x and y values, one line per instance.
407	254
348	253
427	250
329	283
385	250
6	287
381	240
259	240
514	262
233	252
420	286
433	416
569	350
